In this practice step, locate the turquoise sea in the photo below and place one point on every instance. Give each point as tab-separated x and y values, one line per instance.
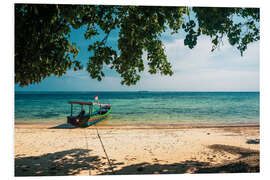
143	107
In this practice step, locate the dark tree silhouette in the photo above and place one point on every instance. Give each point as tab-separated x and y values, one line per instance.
42	47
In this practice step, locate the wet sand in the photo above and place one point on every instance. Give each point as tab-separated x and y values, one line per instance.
58	149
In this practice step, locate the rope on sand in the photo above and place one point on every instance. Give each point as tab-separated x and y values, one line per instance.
105	151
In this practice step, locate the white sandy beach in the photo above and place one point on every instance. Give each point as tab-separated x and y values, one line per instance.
51	150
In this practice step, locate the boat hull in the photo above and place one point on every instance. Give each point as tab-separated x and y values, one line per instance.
88	120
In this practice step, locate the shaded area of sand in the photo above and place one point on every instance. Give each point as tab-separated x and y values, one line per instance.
62	150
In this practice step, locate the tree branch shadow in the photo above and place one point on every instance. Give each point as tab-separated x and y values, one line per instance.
248	162
70	162
147	168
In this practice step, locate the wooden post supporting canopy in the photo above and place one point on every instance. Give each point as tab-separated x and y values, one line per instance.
71	110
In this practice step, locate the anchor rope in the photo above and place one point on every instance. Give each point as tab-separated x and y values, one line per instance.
105	151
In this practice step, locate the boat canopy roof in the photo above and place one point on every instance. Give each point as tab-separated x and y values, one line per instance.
80	103
87	103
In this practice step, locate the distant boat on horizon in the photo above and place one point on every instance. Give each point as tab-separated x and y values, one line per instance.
143	91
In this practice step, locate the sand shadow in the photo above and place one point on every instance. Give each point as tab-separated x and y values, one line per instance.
74	161
191	167
248	162
63	126
147	168
253	141
70	162
243	152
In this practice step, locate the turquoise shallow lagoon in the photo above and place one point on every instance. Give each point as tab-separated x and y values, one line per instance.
142	107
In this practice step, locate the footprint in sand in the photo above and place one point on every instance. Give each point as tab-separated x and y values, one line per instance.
130	159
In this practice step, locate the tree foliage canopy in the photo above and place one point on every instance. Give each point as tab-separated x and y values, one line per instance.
42	31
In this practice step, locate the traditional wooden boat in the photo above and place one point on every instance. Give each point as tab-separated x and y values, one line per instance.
84	119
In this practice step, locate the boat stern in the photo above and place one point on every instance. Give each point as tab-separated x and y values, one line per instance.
74	121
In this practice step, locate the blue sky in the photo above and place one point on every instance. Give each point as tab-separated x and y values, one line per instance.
196	69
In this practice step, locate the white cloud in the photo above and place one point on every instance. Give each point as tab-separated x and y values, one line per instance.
199	69
215	80
183	58
201	56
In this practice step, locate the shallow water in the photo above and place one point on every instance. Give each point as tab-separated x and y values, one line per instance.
144	107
